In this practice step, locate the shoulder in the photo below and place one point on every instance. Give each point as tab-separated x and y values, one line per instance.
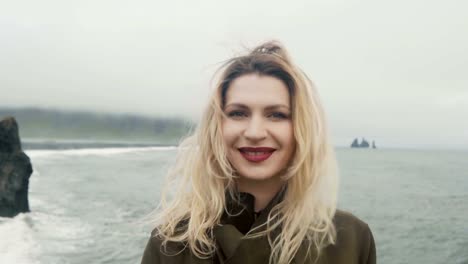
350	228
346	221
156	251
151	253
354	240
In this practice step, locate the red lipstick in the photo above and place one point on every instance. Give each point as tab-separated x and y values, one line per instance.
256	154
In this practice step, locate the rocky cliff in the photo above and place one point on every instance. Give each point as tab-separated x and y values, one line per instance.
15	170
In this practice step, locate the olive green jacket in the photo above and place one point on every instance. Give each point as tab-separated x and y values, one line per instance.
354	245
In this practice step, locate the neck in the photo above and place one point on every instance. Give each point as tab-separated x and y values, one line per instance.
263	191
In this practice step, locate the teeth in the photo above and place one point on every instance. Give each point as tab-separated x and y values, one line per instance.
255	153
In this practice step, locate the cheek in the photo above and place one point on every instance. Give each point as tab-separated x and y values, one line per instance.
285	131
288	138
292	139
229	140
228	132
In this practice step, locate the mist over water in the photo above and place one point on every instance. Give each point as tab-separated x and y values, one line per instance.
87	204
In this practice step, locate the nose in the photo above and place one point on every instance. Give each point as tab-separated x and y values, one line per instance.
256	129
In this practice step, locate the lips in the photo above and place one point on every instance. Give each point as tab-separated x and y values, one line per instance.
256	154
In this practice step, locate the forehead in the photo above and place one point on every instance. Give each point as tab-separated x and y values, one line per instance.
254	89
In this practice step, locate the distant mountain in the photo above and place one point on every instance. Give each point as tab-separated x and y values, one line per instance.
57	124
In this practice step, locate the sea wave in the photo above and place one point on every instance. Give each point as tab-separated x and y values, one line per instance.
21	246
94	151
62	144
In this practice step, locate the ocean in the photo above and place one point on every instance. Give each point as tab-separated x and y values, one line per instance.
87	204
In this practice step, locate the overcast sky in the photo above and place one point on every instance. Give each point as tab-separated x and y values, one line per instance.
391	71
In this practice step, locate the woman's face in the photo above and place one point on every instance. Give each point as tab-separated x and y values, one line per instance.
258	130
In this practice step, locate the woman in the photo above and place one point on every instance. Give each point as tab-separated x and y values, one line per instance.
257	181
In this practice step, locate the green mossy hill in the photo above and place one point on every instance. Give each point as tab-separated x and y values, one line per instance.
57	124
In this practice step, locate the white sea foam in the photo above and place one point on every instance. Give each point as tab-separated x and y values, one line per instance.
18	243
63	234
94	151
40	236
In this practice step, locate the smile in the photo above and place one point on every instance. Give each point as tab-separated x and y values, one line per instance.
256	154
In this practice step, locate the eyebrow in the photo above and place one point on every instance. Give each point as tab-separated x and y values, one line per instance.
270	107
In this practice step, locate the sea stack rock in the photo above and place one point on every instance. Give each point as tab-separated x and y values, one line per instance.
15	170
364	143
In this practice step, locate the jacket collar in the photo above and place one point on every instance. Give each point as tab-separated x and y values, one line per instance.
238	220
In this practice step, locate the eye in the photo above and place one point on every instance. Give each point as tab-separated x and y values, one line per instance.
279	115
236	114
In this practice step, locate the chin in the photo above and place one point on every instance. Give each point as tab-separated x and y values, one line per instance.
257	176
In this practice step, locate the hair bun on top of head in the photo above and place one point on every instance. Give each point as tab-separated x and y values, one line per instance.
274	48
